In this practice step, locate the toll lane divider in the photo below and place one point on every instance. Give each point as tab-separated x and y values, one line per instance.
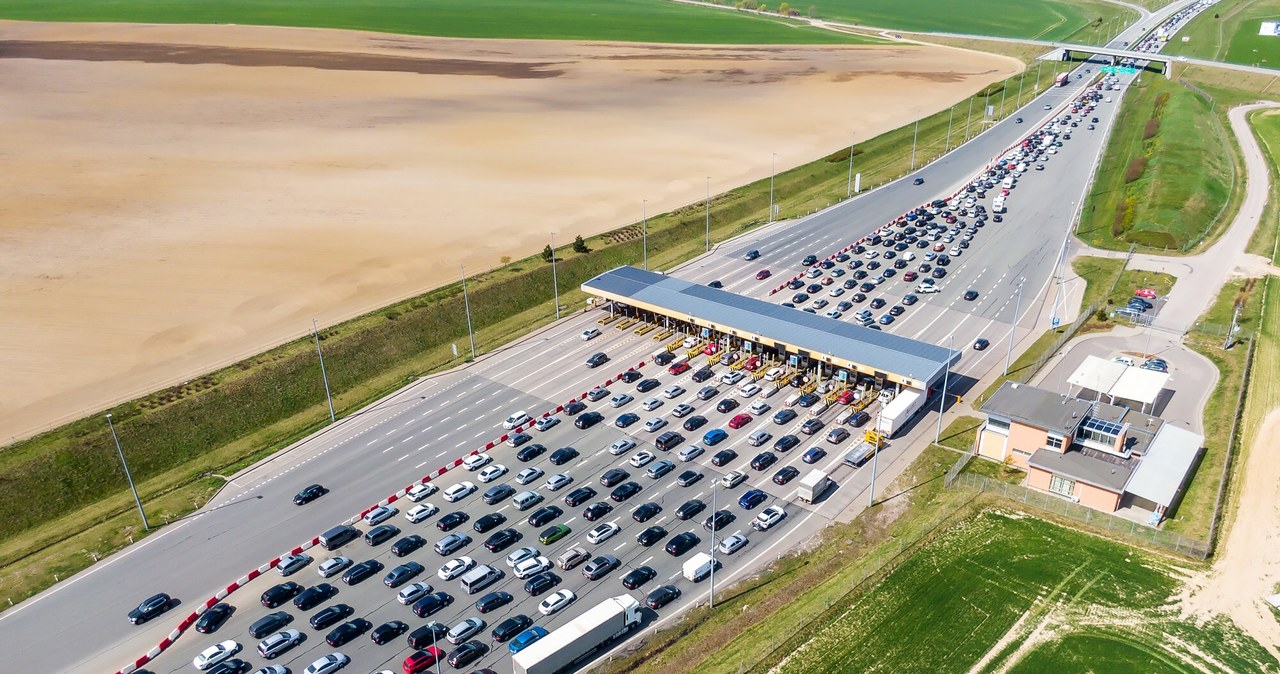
191	618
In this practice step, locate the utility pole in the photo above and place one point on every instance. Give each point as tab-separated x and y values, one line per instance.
968	119
1038	64
315	332
1004	89
849	189
773	171
466	302
644	230
914	137
555	283
1013	332
937	437
127	475
950	116
708	210
875	461
712	602
1021	79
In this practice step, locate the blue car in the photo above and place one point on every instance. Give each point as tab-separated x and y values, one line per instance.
714	436
752	499
525	638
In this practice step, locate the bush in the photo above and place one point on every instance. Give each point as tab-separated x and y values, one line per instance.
1151	129
580	246
548	254
1137	166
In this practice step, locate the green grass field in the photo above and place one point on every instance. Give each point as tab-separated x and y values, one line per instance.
1008	592
1229	32
1039	19
619	20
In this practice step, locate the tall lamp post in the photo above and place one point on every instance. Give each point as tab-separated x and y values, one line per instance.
942	400
324	375
712	602
1013	332
555	283
875	461
708	211
773	172
849	188
466	302
644	230
127	475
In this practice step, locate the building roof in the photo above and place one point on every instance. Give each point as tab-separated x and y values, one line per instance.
1118	380
1100	469
1037	407
751	318
1164	468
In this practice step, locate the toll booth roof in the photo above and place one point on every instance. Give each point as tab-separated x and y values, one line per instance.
825	339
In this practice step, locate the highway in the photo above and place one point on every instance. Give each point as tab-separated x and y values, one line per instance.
80	624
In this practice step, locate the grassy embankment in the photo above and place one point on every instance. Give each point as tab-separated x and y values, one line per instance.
1229	32
615	20
180	439
1166	175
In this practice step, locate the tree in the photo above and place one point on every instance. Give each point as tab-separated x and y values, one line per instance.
580	246
784	9
548	254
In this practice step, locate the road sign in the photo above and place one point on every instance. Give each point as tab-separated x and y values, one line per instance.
1054	322
706	333
793	361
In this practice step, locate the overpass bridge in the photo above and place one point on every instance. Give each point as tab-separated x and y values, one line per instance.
1064	50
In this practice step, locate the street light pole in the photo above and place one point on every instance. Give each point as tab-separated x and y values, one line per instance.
849	189
1013	332
969	119
950	116
712	603
434	650
127	475
644	230
914	137
315	332
773	172
466	302
555	282
708	211
875	461
937	436
1021	80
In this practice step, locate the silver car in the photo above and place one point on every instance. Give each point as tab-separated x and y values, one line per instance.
333	566
291	564
465	630
558	481
451	543
278	643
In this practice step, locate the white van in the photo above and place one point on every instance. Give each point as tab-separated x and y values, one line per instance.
791	399
479	578
1008	183
526	500
698	567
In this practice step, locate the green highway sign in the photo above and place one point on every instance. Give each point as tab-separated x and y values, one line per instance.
1119	70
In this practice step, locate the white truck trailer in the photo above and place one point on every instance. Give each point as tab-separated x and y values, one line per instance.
814	485
902	408
698	567
579	638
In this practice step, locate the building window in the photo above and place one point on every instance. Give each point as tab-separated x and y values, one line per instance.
1061	485
1022	453
1053	442
1000	426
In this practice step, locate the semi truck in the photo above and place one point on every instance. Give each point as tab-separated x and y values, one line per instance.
579	638
1061	80
895	415
814	485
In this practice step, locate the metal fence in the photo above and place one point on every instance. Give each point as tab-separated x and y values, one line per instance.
955	469
1119	527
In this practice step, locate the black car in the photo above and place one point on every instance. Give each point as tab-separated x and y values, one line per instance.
814	288
431	603
751	255
511	627
626	420
651	535
795	284
381	534
213	618
627	377
576	406
501	540
688	478
785	475
596	510
387	631
808	400
407	545
727	405
347	631
764	460
279	594
579	496
970	295
783	416
811	426
910	299
314	596
489	522
663	595
723	457
467	653
563	455
452	521
544	516
647	385
690	509
270	623
330	615
498	494
719	520
361	571
402	574
493	601
232	666
587	420
638	576
664	358
694	422
597	359
309	494
625	491
531	452
786	442
430	633
703	374
809	260
613	476
918	181
541	583
646	512
939	272
682	543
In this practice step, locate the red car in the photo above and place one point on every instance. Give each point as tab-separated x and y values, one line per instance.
740	421
846	397
421	661
909	276
1145	293
763	274
711	348
752	364
679	368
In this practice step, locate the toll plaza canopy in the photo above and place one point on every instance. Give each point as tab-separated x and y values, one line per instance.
759	323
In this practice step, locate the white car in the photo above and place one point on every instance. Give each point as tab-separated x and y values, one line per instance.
556	602
671	392
758	408
733	544
521	555
654	424
955	251
531	567
642	459
420	491
749	389
546	422
603	532
413	592
528	475
516	419
491	473
620	400
459	491
652	404
380	514
215	654
621	446
274	669
328	664
557	482
455	567
732	377
871	254
476	461
767	518
421	512
290	564
773	373
590	334
332	566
